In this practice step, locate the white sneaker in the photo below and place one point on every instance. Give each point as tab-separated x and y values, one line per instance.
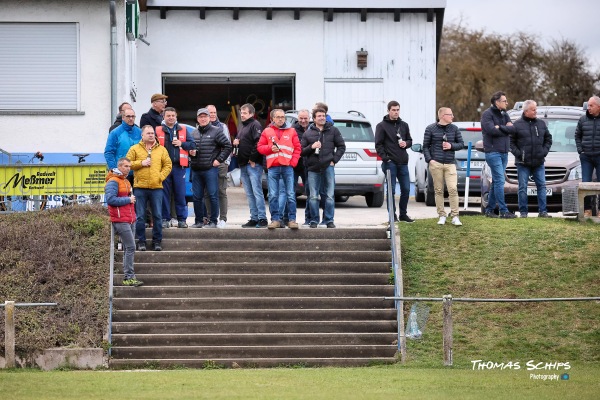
174	222
456	221
442	221
221	224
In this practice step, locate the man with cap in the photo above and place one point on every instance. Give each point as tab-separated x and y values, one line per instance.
212	149
154	116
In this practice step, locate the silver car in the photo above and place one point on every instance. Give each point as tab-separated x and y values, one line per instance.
359	171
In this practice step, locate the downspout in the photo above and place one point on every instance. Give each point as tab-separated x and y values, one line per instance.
113	58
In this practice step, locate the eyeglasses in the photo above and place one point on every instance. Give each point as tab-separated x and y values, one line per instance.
161	101
129	116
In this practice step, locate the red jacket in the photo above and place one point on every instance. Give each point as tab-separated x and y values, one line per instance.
286	139
117	191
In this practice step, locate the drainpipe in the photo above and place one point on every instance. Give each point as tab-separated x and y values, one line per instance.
113	58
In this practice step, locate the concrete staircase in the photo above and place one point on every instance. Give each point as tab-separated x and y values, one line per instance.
258	298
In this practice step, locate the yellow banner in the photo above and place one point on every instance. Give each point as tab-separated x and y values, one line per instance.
45	179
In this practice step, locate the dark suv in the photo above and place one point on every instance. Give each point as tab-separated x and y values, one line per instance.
562	165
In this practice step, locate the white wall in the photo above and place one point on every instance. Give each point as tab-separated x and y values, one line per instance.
68	133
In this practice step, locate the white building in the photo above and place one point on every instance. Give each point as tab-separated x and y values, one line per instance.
64	70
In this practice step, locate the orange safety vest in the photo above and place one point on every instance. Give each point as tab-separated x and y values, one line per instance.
285	143
184	158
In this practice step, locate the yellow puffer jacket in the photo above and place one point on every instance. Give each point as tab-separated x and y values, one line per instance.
149	177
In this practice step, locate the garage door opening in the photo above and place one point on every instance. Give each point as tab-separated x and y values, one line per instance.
188	92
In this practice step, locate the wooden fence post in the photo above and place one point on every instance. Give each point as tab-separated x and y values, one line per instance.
447	330
9	333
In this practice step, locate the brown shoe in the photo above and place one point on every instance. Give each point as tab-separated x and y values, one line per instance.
274	225
293	225
587	213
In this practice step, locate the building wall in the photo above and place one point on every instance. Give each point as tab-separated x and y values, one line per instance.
62	133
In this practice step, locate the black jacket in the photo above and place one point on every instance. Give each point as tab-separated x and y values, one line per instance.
530	141
495	140
435	136
152	117
117	123
332	147
587	135
248	137
386	140
300	131
211	144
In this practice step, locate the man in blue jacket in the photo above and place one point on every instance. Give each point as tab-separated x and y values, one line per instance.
120	141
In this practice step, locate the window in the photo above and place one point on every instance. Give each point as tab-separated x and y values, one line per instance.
39	67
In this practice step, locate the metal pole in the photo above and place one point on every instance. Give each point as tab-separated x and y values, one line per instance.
447	329
110	286
9	333
468	176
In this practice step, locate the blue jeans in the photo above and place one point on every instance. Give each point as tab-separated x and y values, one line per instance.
276	177
319	182
209	180
125	232
252	181
497	163
399	172
142	197
175	183
588	164
539	177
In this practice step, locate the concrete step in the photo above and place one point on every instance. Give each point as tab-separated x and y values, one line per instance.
253	339
286	362
292	351
169	292
267	326
251	303
239	234
200	244
246	315
276	258
242	267
258	279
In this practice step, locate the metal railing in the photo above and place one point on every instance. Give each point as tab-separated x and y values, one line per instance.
110	287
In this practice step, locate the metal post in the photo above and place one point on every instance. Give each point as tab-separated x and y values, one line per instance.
9	333
468	176
447	330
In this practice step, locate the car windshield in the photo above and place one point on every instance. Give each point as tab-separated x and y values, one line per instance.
470	135
563	134
354	131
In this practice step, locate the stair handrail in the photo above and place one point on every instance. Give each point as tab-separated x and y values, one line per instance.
394	237
110	287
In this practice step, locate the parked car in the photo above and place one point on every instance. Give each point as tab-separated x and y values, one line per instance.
562	165
359	171
471	132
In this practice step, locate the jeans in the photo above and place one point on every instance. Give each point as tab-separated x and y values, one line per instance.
155	197
125	232
222	193
445	173
208	179
322	182
175	182
251	178
276	177
399	172
497	163
588	164
539	177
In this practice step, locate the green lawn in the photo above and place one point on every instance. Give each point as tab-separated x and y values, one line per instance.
389	382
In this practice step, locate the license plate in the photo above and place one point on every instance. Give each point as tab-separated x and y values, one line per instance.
474	164
533	192
349	157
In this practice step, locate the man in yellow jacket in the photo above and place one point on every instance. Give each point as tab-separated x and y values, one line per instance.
151	165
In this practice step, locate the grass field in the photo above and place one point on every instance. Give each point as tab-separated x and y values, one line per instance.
389	382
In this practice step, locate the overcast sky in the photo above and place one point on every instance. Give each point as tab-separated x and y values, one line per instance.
576	20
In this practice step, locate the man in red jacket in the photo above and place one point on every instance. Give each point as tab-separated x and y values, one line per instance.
121	207
279	143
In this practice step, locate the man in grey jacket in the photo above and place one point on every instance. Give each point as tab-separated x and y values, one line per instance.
440	142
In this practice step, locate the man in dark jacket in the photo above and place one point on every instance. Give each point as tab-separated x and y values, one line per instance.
212	149
119	119
440	142
299	172
323	147
392	138
154	116
530	142
494	128
587	139
251	167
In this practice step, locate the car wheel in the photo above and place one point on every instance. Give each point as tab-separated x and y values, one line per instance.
429	196
419	194
341	199
374	199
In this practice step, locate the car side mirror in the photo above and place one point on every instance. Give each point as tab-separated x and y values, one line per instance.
479	145
417	148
